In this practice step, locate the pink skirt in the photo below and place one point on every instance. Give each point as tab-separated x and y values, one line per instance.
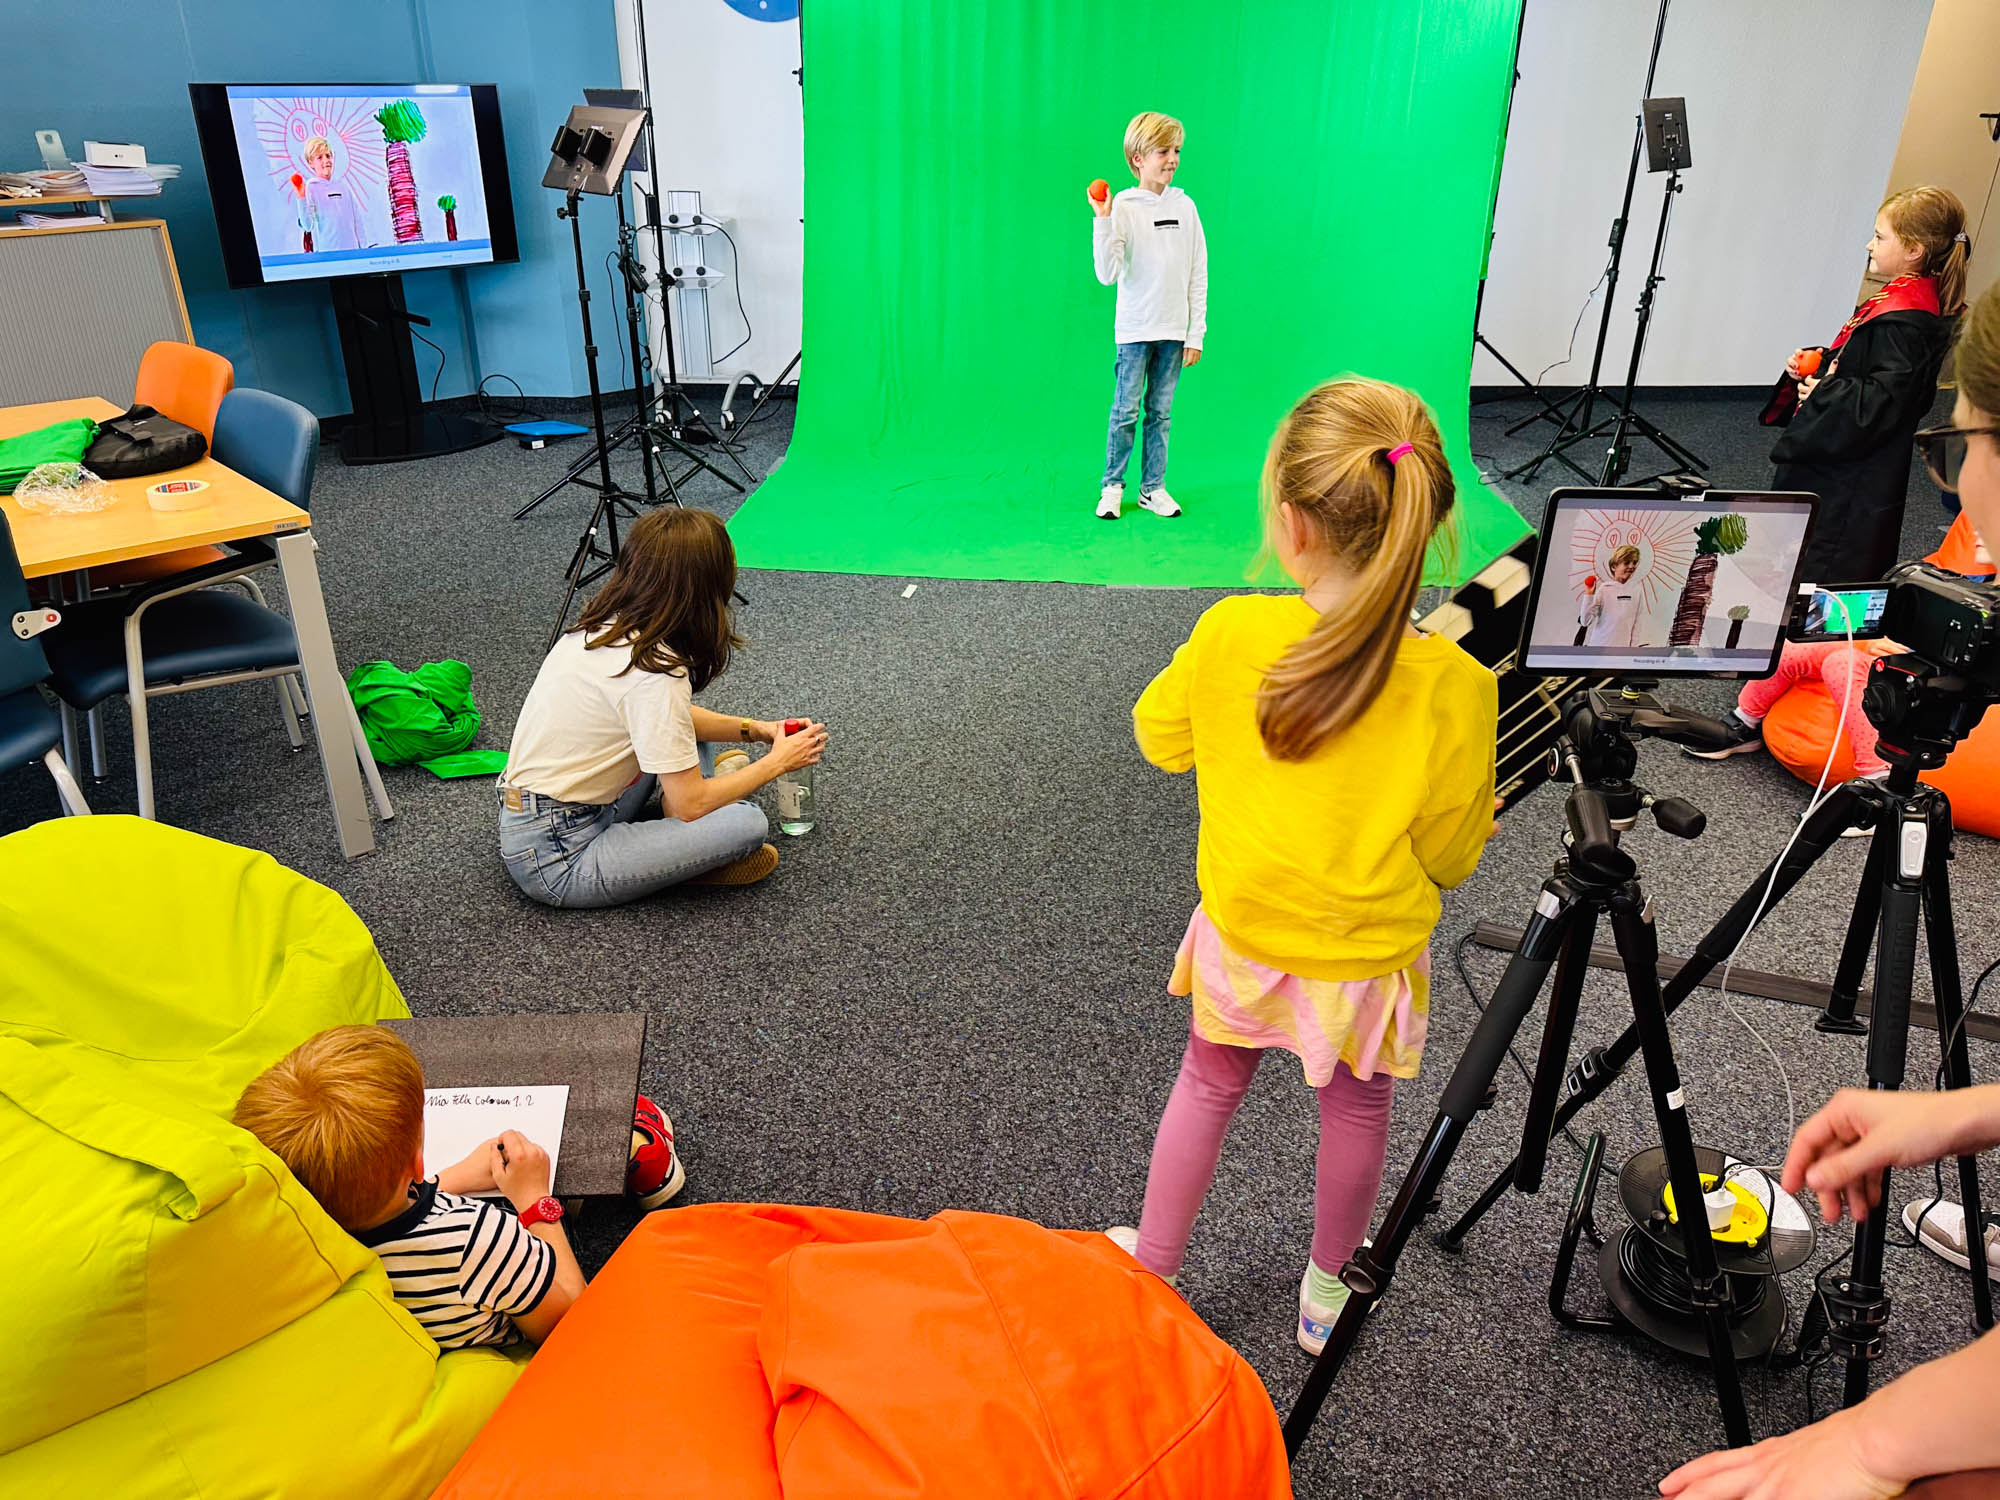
1370	1024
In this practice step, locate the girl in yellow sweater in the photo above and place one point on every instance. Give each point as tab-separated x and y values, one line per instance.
1345	769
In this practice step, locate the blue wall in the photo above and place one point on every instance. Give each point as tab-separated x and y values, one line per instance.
123	75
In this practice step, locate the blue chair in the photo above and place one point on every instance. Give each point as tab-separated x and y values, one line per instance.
29	729
181	633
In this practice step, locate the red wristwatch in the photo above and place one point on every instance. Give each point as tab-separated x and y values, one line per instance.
541	1211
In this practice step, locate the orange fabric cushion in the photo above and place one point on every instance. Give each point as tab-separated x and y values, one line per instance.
185	382
1800	726
761	1351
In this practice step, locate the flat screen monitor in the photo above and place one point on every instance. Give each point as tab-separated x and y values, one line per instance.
315	180
1637	584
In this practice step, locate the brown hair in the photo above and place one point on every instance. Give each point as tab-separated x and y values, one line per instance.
668	596
1932	219
1976	363
1330	463
345	1111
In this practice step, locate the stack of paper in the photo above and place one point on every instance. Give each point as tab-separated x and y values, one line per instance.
119	182
161	171
55	221
45	184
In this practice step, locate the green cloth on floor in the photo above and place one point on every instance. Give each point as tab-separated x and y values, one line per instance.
57	443
421	718
467	763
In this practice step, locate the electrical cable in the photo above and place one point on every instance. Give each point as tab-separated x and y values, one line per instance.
521	413
1570	352
439	375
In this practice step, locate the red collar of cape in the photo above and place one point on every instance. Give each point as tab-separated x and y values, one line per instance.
1904	294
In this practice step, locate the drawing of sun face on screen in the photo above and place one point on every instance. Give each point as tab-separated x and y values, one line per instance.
1631	565
324	159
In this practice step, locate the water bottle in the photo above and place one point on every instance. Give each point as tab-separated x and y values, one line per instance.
797	812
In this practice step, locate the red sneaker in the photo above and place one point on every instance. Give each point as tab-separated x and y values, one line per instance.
654	1174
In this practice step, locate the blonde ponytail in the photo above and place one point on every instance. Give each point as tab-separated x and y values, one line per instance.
1933	219
1330	462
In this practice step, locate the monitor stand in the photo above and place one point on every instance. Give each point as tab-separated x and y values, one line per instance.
390	424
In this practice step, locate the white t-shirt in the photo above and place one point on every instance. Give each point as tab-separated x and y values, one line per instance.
1152	246
586	733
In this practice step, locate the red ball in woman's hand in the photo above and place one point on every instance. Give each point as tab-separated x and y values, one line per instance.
1100	190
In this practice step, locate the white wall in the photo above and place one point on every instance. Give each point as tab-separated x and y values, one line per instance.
727	116
1794	111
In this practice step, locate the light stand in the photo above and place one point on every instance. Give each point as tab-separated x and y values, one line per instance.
1575	424
674	394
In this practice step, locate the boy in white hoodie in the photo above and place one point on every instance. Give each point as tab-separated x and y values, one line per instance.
1148	241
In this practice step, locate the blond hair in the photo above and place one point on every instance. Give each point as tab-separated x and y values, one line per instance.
1625	554
1933	220
345	1111
1330	462
1151	131
1976	362
317	145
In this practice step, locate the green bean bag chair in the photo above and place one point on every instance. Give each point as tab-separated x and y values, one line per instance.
183	1319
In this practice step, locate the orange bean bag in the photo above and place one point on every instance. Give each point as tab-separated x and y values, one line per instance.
760	1351
1800	726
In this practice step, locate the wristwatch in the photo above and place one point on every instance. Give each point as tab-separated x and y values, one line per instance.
541	1211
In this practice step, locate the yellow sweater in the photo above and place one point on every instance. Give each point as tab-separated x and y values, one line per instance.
1326	868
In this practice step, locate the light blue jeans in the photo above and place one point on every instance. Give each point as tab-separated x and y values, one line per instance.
600	854
1155	367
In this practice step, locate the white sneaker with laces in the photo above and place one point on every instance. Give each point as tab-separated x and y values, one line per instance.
1110	502
1160	503
1315	1322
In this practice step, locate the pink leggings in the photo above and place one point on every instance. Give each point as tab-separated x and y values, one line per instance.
1353	1142
1836	663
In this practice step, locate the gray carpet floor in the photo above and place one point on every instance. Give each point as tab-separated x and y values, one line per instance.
951	994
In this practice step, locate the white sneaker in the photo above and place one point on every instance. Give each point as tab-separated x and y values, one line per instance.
1939	1225
1160	503
1126	1238
1110	501
1315	1322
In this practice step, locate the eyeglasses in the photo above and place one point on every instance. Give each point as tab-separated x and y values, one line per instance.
1943	449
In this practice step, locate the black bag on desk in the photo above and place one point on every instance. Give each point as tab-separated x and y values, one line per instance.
141	441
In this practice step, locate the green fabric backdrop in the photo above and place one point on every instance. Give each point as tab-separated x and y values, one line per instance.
951	422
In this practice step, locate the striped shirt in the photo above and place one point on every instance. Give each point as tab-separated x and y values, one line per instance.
462	1266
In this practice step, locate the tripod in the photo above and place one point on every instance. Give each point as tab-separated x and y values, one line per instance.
1575	424
591	560
1921	715
1593	878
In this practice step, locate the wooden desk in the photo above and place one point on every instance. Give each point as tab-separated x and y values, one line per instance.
241	509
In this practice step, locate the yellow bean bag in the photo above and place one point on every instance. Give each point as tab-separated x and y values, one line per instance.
183	1319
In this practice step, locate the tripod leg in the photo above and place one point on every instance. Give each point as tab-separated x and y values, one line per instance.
1862	1304
1839	1015
1639	946
1597	1069
1941	939
1368	1274
1572	963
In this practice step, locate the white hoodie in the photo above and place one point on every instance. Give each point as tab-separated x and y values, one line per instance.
1152	246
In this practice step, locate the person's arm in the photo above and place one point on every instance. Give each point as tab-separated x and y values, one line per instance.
473	1175
1107	244
1449	838
521	1171
1888	367
1197	289
712	728
688	794
1162	720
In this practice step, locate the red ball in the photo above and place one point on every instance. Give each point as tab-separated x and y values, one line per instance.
1808	362
1100	190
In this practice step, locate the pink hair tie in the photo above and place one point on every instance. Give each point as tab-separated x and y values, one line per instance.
1400	449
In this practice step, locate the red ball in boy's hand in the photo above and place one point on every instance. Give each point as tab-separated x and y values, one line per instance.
1100	190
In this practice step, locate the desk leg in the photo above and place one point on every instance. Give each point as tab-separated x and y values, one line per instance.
325	689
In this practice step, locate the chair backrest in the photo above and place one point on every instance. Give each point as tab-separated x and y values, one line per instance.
185	382
269	440
22	663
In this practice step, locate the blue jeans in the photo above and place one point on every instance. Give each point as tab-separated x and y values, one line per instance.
1157	367
592	854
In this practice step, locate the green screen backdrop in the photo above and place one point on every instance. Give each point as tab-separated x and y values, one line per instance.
959	348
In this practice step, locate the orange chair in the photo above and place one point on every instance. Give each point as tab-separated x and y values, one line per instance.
187	383
766	1352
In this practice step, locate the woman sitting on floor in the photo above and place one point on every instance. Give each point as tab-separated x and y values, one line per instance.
612	717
